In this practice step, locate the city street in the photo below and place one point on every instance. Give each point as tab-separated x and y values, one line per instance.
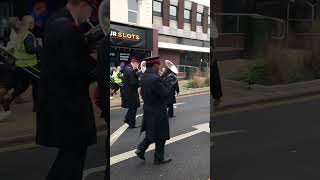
276	143
189	146
34	162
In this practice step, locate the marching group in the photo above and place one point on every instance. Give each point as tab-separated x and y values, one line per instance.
157	99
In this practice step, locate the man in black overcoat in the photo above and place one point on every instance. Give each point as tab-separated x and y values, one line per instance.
65	117
129	92
155	118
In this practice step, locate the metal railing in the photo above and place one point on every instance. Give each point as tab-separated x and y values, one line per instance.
281	22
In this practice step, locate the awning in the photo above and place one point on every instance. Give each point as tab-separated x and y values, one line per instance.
163	45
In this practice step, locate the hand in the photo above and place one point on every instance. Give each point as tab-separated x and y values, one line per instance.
216	102
177	94
94	55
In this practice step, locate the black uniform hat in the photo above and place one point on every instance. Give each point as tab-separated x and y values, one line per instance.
153	59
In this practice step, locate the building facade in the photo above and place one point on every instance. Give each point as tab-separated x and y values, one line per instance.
282	18
184	30
131	30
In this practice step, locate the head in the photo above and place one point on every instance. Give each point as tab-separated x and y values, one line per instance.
154	66
14	23
135	62
80	9
27	24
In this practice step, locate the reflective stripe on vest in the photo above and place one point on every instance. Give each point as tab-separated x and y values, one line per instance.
24	59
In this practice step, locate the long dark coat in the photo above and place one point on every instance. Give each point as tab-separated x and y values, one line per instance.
65	117
129	91
216	89
173	90
155	118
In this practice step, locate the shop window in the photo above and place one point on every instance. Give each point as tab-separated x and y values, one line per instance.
187	16
173	12
157	8
132	11
199	19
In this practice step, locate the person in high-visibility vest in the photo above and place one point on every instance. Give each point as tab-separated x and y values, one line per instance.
26	50
117	77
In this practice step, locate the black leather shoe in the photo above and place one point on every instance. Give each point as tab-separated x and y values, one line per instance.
135	126
172	116
163	161
140	154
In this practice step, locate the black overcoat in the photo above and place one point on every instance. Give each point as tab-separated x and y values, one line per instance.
173	90
65	117
155	118
129	92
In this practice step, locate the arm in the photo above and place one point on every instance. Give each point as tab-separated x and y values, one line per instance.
29	44
216	89
75	54
133	80
160	90
177	87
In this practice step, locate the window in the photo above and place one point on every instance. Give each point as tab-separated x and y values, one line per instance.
187	15
132	11
157	8
173	12
199	19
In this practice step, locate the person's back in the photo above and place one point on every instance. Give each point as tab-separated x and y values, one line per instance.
64	85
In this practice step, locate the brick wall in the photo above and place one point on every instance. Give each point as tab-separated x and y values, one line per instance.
173	56
181	14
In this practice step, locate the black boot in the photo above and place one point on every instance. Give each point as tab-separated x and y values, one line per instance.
163	161
140	154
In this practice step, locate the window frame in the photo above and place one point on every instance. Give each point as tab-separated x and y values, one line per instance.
156	13
171	17
184	19
133	11
199	23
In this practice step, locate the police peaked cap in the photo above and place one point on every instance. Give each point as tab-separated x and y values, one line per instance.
153	59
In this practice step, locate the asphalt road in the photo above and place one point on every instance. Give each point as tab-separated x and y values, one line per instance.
190	155
278	143
33	163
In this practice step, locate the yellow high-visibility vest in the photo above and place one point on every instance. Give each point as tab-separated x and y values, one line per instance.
24	59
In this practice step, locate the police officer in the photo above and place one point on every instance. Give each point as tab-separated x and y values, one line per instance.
129	92
155	118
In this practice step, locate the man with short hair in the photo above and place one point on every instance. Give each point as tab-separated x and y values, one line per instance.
129	92
65	117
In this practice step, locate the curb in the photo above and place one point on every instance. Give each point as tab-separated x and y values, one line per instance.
268	99
180	96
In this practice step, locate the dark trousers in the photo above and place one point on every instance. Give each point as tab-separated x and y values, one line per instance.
68	165
159	151
115	87
22	80
170	110
130	117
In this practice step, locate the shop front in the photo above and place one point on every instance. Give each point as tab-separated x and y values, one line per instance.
127	40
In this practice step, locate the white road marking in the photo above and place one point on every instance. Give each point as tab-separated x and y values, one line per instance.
116	135
130	154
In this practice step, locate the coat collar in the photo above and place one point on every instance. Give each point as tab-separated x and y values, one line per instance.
150	70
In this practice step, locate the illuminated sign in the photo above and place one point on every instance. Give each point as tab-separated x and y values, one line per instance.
131	37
